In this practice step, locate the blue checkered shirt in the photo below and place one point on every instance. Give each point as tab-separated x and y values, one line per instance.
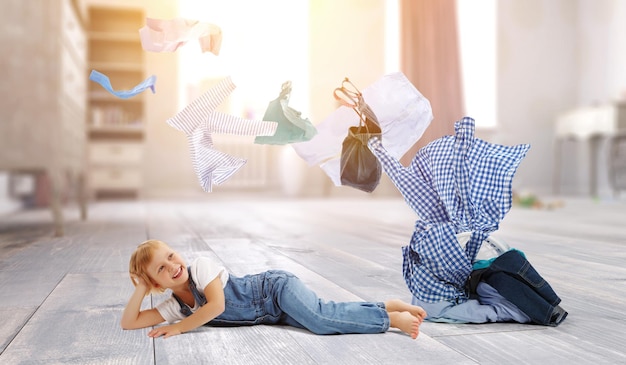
455	184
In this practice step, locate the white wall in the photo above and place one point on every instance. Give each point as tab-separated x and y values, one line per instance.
536	68
555	55
602	74
346	39
602	50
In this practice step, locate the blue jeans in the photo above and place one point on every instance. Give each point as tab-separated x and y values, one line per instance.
518	281
510	289
489	307
279	297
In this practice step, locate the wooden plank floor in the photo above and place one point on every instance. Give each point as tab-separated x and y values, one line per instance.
61	298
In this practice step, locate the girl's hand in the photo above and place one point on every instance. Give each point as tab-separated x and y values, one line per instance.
140	283
165	331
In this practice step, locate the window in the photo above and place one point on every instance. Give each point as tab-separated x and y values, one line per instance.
477	41
477	45
248	27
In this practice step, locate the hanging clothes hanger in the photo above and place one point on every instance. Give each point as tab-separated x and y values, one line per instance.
350	96
285	90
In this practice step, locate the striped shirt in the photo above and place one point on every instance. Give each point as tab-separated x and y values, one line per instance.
199	120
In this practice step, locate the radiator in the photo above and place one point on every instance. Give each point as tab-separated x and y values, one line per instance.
255	173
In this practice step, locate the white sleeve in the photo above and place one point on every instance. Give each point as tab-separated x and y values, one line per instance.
170	310
204	270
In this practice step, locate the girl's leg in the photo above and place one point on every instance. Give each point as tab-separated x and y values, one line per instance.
303	306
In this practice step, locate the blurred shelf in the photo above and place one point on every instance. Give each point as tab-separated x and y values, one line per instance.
106	97
116	132
115	36
116	66
116	129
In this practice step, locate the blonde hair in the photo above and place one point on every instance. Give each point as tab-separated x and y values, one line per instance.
140	259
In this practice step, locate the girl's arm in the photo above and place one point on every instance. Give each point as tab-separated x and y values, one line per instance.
215	305
133	317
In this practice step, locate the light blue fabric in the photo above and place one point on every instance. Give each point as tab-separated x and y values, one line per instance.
103	80
490	307
454	184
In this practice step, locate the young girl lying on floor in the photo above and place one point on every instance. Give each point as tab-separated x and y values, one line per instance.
206	294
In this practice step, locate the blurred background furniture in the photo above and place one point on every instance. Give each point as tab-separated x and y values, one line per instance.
589	124
617	162
129	143
116	127
42	97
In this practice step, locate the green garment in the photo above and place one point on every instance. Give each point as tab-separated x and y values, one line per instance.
291	126
483	264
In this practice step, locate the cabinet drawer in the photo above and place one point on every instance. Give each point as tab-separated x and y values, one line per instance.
115	178
115	153
72	79
73	33
73	134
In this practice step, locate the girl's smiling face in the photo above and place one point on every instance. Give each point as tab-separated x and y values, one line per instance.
167	269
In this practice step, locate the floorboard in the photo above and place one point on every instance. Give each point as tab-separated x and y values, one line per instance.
13	319
61	298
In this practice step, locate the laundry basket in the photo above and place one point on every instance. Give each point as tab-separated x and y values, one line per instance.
617	162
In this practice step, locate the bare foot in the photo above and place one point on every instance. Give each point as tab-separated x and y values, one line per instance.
397	305
406	322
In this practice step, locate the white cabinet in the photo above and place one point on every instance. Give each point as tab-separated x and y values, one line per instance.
115	153
115	165
584	123
592	125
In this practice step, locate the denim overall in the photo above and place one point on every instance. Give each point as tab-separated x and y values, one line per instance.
279	297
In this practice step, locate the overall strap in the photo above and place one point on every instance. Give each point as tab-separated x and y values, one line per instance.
198	296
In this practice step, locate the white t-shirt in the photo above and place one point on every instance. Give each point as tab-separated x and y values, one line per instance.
203	271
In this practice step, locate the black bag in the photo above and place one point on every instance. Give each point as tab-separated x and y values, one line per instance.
359	167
